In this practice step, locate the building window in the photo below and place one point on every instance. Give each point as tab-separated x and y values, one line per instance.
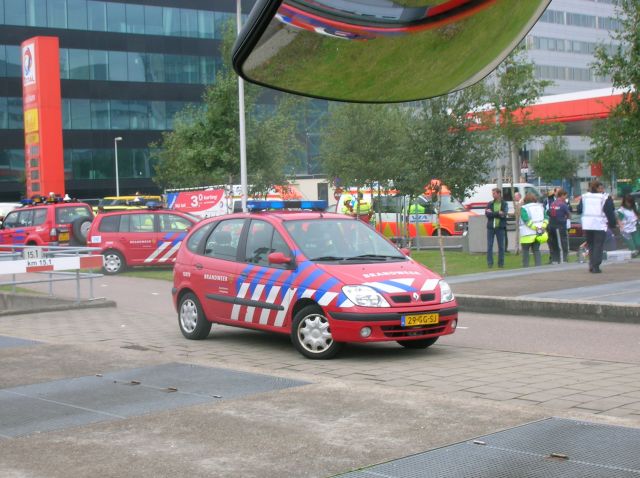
116	18
36	13
17	14
553	16
77	14
153	20
135	19
580	20
57	13
98	65
78	64
97	16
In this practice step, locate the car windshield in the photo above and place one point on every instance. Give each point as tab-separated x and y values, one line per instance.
450	204
340	240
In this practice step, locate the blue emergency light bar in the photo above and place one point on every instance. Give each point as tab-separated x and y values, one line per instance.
278	205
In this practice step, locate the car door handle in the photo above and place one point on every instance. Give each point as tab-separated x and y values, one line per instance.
199	266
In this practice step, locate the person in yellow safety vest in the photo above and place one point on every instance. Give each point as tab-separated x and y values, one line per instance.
362	209
347	204
533	229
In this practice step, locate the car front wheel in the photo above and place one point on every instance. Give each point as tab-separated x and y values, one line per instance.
193	324
114	263
311	334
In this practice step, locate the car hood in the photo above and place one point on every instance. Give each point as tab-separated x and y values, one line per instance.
458	216
409	273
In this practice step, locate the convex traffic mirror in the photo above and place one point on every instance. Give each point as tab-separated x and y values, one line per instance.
379	50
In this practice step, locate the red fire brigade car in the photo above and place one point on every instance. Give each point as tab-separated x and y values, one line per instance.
148	237
51	221
323	278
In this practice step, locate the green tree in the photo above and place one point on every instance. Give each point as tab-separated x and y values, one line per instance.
361	143
616	140
554	161
204	149
445	142
514	89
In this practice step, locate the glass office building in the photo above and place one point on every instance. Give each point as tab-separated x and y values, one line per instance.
563	42
562	46
126	68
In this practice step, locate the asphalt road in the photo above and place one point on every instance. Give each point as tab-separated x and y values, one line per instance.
563	337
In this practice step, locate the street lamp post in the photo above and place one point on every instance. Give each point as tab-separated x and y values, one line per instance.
115	148
243	144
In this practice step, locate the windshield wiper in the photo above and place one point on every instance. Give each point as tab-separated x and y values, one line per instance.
377	257
328	258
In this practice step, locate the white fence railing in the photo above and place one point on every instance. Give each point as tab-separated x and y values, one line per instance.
54	263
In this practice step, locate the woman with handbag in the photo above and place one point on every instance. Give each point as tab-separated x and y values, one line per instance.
533	229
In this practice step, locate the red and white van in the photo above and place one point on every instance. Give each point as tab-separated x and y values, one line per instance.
322	278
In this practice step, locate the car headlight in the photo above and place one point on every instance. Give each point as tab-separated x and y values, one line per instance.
364	296
446	294
460	226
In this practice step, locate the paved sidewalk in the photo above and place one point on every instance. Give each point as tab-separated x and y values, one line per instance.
374	403
564	290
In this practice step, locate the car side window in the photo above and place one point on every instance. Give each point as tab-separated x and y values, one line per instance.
124	223
39	216
109	224
141	223
11	220
223	242
279	245
259	243
193	244
173	223
26	219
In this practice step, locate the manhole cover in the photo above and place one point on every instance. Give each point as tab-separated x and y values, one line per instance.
554	447
126	393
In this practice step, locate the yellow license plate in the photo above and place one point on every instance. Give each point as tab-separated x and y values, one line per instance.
420	319
63	236
572	231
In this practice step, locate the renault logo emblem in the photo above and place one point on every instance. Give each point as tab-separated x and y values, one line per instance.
415	296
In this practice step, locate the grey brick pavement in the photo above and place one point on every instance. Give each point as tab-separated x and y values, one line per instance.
553	382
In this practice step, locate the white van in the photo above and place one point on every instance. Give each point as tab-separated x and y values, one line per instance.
481	196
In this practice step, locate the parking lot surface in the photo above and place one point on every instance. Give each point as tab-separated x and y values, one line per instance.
119	392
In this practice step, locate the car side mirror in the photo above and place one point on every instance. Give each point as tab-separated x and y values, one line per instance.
278	258
381	52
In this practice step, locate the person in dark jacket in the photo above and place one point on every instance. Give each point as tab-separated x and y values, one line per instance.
598	215
558	238
496	212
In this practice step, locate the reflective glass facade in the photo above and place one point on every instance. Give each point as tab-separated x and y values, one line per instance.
126	68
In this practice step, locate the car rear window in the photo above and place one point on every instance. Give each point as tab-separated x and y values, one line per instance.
68	214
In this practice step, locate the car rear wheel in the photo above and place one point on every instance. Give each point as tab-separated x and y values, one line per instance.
113	262
193	324
311	334
418	344
80	229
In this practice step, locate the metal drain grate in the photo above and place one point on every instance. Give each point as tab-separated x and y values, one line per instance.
8	342
591	451
84	400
